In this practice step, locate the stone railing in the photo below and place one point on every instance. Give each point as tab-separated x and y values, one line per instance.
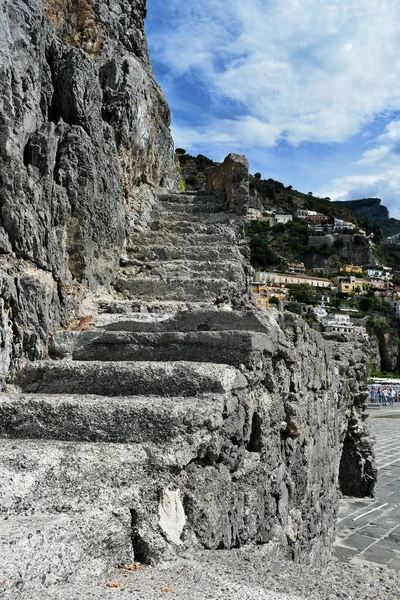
232	176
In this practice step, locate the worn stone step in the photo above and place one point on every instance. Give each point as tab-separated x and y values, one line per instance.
207	319
226	347
170	196
195	206
91	418
185	217
145	307
129	379
50	476
191	237
48	549
216	252
183	227
230	270
91	501
174	288
191	197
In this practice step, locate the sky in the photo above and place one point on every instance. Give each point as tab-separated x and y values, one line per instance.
308	90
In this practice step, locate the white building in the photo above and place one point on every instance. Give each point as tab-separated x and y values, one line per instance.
288	278
320	312
339	224
337	322
379	273
254	214
278	219
303	213
395	309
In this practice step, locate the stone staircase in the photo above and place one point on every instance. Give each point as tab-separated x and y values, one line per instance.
190	254
118	446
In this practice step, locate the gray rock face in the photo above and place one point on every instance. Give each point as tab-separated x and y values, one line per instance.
84	138
232	176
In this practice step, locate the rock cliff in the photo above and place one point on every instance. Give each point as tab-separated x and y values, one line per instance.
369	208
84	139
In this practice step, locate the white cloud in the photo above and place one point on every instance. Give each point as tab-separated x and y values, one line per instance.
308	70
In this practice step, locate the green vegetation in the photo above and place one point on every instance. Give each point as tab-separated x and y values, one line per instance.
302	292
269	245
182	185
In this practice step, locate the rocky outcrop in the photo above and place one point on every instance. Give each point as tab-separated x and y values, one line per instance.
326	250
84	139
232	176
388	342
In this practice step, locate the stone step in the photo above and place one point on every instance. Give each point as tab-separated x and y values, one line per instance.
225	347
183	218
230	270
183	227
197	237
50	476
91	418
207	319
48	549
114	307
90	503
188	196
216	252
129	379
182	289
195	207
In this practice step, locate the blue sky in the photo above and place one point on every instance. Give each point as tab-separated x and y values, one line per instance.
308	90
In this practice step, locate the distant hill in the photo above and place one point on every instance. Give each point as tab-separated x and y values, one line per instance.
273	194
373	210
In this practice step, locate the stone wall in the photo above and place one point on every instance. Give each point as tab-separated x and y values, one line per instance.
84	141
287	446
232	176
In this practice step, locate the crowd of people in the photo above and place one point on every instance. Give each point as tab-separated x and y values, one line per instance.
384	395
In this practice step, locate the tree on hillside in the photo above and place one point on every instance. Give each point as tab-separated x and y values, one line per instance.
260	254
180	151
257	175
302	292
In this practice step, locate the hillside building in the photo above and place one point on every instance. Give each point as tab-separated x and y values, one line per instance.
290	278
340	224
379	272
316	219
351	269
254	214
395	309
259	294
282	219
303	213
350	284
337	322
296	267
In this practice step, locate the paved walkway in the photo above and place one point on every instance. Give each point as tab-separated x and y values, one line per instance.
369	529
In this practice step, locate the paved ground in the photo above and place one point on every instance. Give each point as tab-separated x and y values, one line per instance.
375	537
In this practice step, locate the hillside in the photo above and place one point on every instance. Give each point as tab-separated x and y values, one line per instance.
273	194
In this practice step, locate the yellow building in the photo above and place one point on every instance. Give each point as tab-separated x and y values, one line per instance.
259	294
351	285
351	269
